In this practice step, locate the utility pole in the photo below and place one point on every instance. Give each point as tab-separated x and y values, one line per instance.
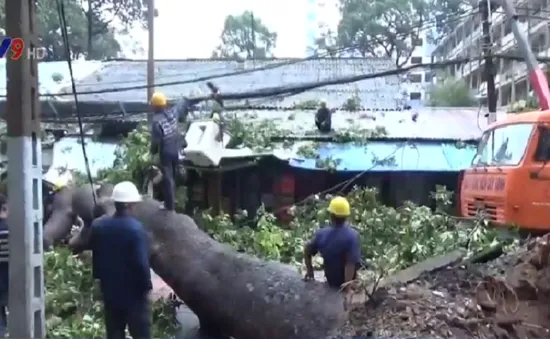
26	287
150	55
253	37
536	74
489	70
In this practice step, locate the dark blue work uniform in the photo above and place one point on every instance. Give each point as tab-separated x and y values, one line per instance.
121	263
4	276
166	136
338	246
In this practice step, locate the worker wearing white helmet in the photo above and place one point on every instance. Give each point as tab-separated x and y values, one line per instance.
323	118
120	249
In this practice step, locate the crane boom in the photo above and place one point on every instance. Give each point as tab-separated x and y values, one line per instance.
536	74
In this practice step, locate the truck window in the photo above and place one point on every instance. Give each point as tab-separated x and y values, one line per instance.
503	146
543	147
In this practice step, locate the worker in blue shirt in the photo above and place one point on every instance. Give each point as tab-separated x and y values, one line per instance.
4	265
167	142
338	244
120	248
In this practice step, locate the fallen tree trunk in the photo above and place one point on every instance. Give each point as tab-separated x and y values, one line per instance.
67	204
240	296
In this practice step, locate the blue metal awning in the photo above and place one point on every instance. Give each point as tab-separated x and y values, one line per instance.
417	156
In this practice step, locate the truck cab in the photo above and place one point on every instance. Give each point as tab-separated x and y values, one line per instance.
509	180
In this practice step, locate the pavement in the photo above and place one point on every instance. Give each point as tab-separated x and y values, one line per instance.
188	321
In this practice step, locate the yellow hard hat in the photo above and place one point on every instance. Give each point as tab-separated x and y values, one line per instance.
339	206
158	99
58	184
216	117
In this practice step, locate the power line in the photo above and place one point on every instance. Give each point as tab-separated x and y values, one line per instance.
107	109
420	26
65	35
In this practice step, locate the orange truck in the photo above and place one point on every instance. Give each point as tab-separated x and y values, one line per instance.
509	180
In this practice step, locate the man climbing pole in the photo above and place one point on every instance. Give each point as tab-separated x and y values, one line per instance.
323	118
338	244
167	142
217	108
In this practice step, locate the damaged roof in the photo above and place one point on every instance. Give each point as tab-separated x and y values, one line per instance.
431	123
379	93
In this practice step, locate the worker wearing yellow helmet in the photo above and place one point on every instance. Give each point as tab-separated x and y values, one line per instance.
167	142
338	244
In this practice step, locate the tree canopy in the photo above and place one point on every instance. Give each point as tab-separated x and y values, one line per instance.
245	36
388	28
451	93
91	31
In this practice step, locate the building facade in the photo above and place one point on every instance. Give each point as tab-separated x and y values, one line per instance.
417	82
466	42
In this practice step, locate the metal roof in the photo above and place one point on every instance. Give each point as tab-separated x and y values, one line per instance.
379	93
418	156
431	123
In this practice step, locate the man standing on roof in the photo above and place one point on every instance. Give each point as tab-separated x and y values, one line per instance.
323	118
120	257
338	244
167	142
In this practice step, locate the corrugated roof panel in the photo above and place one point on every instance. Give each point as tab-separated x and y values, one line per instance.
380	93
425	157
431	123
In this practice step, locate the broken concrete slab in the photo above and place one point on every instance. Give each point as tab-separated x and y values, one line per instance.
429	265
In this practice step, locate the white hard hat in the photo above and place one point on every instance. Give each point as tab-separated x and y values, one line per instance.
323	101
126	192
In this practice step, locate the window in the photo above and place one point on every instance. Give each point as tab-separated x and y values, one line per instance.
418	42
429	77
416	60
415	78
415	96
503	146
543	147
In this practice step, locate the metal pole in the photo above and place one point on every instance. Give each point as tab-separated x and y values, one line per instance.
253	37
151	55
489	70
536	75
26	288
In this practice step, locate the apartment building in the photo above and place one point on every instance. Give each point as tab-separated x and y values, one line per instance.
417	82
466	41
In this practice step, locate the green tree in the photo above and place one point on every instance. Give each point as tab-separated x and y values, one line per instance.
49	31
99	16
387	28
446	15
245	36
326	45
451	93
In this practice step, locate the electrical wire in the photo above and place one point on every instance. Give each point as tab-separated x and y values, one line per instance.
422	26
279	90
138	108
65	35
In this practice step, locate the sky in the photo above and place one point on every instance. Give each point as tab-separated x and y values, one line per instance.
191	29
